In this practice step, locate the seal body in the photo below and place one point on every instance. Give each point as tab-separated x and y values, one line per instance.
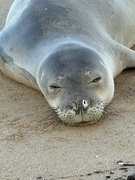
70	50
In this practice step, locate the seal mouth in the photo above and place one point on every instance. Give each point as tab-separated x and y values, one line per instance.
82	124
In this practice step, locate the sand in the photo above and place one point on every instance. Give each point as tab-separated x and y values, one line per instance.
34	145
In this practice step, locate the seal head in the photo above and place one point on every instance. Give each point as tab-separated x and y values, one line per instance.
75	82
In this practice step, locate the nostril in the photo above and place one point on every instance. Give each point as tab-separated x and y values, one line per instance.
75	106
85	104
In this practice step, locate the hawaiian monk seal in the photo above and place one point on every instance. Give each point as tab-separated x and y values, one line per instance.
71	50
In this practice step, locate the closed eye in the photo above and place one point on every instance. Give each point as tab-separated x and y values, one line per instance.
54	87
97	79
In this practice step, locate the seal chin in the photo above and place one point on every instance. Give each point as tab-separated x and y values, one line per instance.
82	117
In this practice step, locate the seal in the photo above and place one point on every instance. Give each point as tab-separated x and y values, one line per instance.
69	50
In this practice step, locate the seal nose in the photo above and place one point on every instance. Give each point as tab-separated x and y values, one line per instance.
80	106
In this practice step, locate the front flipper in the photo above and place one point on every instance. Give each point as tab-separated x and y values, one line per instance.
15	72
128	57
123	57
